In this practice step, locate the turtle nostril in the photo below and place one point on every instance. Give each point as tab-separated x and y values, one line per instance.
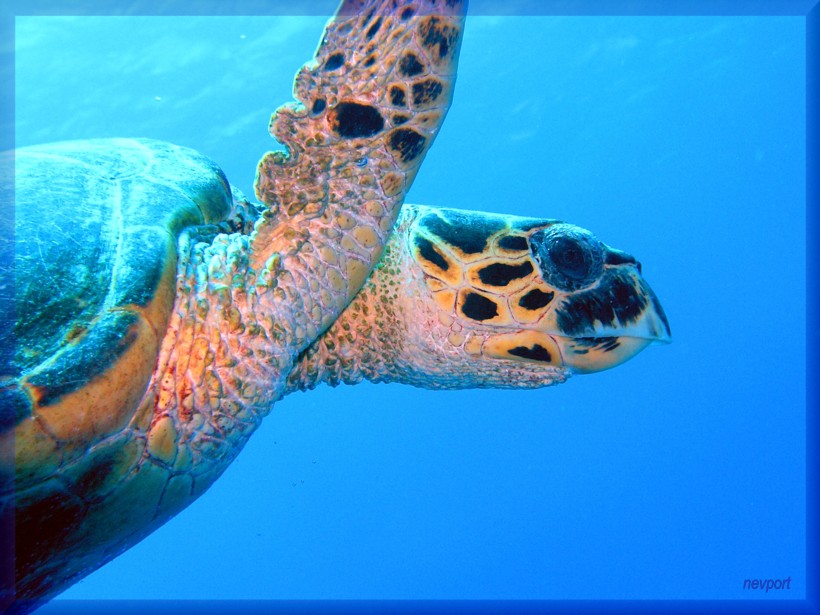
617	257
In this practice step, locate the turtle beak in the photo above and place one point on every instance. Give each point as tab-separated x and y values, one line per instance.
611	322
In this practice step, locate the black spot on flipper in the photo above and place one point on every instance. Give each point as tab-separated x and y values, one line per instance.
469	234
536	353
371	31
429	253
501	274
407	144
514	243
353	120
407	13
318	106
535	299
409	66
437	36
334	61
614	301
400	119
370	61
478	307
398	98
426	92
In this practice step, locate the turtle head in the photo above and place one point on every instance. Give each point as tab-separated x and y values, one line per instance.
465	299
537	298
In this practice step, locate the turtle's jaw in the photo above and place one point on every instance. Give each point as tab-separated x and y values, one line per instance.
586	355
611	323
592	329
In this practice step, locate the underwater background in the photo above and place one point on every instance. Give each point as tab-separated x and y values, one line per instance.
679	474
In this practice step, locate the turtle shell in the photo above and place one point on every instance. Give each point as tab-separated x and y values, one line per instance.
96	230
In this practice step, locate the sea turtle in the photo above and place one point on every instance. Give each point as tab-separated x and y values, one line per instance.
158	315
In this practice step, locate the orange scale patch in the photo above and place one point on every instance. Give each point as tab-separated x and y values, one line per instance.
446	299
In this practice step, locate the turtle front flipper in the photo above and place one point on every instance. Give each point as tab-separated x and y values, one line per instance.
369	107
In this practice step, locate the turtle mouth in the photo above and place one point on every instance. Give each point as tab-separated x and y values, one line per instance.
586	355
650	327
599	345
601	331
622	304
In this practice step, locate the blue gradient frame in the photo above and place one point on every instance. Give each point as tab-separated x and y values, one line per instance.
808	8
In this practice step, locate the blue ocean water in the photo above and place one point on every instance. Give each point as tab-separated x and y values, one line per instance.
677	475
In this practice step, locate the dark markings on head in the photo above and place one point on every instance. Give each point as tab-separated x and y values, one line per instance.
397	96
334	61
611	345
535	299
352	120
318	106
536	353
437	36
92	356
371	31
426	92
469	234
428	252
370	61
514	242
615	300
597	343
407	13
501	274
400	119
409	66
658	309
478	307
407	143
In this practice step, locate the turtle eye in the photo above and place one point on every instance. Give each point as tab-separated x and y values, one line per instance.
569	257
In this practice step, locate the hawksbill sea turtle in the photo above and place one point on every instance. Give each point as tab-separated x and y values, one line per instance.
159	315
